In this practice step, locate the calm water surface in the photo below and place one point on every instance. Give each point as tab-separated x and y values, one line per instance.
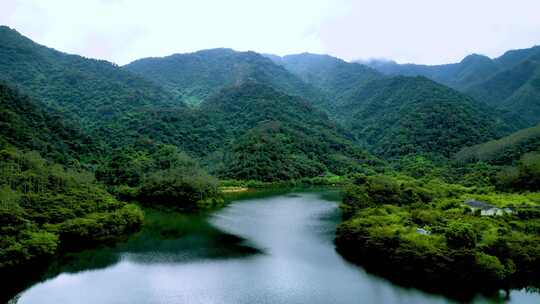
273	248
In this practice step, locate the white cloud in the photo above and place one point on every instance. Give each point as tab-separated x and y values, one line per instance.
427	31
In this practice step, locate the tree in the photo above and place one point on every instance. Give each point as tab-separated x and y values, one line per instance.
460	235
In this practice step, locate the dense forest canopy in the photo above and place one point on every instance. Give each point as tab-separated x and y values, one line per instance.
84	142
195	76
505	150
404	115
333	76
28	124
509	82
89	90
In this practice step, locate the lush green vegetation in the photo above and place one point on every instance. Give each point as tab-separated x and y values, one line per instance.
509	82
503	151
334	77
421	232
46	208
274	136
163	177
26	124
473	69
196	76
524	176
92	91
403	115
260	122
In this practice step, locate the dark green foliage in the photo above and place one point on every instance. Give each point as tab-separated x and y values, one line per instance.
515	89
524	176
503	151
268	153
26	124
162	177
46	208
509	83
93	91
333	76
250	131
460	235
196	76
274	136
402	115
178	188
97	228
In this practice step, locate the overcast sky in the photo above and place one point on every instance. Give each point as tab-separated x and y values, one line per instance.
419	31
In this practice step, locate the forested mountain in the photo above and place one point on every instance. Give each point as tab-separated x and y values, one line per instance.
250	131
471	70
79	136
26	124
397	115
414	115
510	82
90	90
195	76
516	89
505	150
333	76
274	136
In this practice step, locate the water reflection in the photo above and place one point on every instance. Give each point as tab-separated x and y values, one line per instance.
261	249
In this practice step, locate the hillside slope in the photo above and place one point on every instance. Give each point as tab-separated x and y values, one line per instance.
274	135
509	83
405	115
505	150
26	124
195	76
90	90
251	131
331	75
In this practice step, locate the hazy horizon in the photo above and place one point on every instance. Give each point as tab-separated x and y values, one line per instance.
418	31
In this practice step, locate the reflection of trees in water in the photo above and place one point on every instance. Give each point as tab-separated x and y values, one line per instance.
165	237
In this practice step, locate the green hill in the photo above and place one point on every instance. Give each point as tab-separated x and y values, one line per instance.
472	69
92	91
331	75
195	76
503	151
27	125
510	83
516	89
414	115
276	136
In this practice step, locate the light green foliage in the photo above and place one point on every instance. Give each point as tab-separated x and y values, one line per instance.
440	241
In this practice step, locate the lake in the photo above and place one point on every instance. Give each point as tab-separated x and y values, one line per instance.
268	247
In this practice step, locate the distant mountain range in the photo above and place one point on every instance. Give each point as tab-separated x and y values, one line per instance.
233	110
510	82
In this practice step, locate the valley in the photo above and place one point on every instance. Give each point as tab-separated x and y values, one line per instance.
213	161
